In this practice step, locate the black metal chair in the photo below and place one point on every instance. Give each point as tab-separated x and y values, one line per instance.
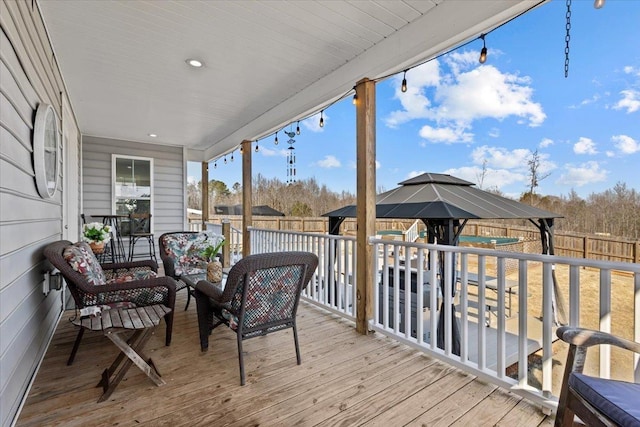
261	296
140	228
131	284
596	401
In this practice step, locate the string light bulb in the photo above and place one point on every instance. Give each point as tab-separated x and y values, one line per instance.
257	148
321	119
598	4
241	147
225	160
298	128
403	88
275	141
232	155
355	98
483	52
215	164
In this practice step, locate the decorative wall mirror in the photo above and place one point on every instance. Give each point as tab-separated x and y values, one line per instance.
46	144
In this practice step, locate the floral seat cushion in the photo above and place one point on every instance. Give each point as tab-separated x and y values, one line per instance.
81	258
185	250
131	275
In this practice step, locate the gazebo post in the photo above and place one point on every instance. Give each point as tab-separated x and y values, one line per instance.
366	200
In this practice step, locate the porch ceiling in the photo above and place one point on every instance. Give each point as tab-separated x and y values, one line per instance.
266	63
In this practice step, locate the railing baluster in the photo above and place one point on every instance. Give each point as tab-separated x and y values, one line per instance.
501	365
482	301
605	321
464	308
523	309
547	316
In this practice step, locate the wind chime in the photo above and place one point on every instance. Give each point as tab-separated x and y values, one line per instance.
291	158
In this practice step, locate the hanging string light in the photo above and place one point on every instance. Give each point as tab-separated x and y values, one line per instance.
567	39
598	4
483	52
321	118
298	128
403	88
241	148
257	148
215	164
355	96
232	155
225	159
275	141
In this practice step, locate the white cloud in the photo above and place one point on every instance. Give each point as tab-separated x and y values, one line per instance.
630	101
493	178
586	173
546	142
328	162
494	132
446	135
610	153
313	123
626	144
268	152
500	157
631	70
586	101
485	92
461	97
585	146
413	174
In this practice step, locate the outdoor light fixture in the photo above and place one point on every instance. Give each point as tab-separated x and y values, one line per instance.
355	98
598	4
257	148
275	141
322	118
195	63
240	149
403	88
483	52
298	128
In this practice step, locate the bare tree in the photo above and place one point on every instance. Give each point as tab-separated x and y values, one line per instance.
482	174
535	176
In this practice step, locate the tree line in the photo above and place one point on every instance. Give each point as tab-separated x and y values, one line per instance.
615	211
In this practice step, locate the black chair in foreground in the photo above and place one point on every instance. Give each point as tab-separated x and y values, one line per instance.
261	296
596	401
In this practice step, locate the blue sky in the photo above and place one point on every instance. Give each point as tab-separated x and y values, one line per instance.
458	114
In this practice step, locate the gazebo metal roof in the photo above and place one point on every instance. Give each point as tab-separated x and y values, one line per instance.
439	196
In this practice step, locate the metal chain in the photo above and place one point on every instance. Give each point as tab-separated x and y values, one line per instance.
567	38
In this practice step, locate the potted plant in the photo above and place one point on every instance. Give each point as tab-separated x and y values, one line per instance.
214	266
96	234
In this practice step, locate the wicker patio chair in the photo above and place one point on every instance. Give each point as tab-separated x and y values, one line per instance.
181	254
596	401
261	296
129	284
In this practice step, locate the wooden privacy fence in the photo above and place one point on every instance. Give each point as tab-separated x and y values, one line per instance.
588	246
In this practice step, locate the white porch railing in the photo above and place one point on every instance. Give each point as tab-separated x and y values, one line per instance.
503	303
235	241
332	285
412	233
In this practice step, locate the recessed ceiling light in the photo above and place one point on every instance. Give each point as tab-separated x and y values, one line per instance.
194	63
153	135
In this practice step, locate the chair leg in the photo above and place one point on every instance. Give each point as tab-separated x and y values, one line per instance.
76	344
152	249
295	339
168	319
188	298
240	358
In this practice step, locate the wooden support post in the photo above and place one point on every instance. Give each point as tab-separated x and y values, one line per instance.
205	194
226	249
366	200
247	204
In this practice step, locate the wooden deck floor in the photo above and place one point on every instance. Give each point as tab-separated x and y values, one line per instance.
345	379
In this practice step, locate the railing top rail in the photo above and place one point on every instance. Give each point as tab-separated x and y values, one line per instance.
581	262
304	233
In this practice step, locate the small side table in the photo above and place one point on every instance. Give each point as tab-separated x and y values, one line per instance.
116	322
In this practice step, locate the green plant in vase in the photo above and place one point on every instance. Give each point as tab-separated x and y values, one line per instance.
214	266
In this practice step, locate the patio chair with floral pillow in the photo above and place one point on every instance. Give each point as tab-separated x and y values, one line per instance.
117	285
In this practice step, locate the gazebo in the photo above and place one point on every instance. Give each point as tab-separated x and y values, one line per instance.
445	204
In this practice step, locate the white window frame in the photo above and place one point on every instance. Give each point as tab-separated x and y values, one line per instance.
114	199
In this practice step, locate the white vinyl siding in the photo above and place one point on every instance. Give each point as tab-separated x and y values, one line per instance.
28	76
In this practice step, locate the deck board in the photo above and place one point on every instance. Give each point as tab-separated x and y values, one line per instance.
345	379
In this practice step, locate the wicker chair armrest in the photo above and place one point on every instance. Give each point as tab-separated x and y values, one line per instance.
212	291
141	292
131	265
586	338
